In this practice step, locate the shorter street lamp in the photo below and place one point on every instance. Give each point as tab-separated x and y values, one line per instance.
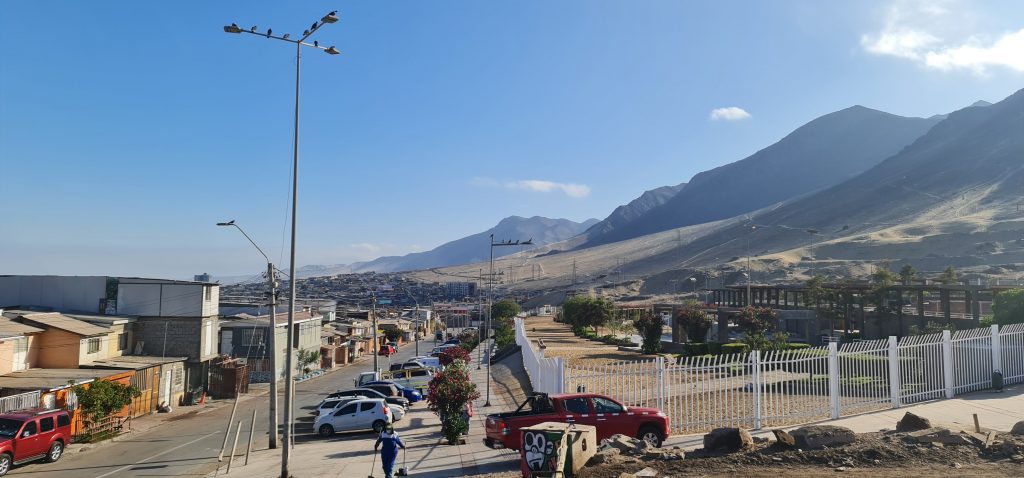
490	304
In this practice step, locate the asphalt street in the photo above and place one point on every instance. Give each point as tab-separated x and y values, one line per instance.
188	444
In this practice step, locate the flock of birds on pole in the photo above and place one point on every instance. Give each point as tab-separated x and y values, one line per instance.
270	32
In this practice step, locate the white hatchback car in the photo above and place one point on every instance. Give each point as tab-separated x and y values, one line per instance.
329	405
357	415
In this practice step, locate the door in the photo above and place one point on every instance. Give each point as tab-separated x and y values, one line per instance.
165	388
28	443
611	418
345	417
369	412
579	410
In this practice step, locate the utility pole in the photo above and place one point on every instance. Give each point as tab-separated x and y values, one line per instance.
490	304
374	313
749	273
272	346
574	272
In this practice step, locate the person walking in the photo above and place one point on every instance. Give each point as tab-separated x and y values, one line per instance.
390	443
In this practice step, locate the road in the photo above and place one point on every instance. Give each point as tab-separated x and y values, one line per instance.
188	445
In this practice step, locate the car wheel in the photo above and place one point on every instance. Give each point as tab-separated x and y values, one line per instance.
5	463
651	435
56	451
378	426
326	430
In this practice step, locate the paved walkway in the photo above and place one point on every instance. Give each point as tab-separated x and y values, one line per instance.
996	412
429	455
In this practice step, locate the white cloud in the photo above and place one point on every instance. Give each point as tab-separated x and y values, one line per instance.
731	113
572	190
538	185
935	34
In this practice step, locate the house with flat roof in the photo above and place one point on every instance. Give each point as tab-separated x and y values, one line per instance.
247	337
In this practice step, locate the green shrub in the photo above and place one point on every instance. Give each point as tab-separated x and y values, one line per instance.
714	348
736	348
797	346
695	348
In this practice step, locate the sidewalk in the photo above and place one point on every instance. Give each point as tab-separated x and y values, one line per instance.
429	455
996	411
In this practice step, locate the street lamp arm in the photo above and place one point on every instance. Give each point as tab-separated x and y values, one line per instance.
301	41
236	226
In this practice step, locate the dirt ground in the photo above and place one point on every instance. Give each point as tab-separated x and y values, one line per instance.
560	342
883	454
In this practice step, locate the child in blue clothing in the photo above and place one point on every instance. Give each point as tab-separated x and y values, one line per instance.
391	443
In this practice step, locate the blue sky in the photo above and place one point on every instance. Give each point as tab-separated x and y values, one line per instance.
127	129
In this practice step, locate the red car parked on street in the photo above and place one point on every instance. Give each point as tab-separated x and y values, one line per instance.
386	351
608	415
28	435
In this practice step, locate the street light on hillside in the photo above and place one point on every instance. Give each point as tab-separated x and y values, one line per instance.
749	298
272	335
490	304
331	17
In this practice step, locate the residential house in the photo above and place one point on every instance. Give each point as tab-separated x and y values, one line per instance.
245	336
161	380
56	387
172	318
19	349
67	342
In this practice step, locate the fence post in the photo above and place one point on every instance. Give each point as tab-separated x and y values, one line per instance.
755	361
833	379
561	374
894	372
660	363
947	363
997	350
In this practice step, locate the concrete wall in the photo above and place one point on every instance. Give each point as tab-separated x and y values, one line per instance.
113	349
79	293
194	337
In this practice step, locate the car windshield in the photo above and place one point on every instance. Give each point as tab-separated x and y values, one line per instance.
9	428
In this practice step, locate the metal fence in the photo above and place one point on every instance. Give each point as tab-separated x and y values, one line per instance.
776	388
20	401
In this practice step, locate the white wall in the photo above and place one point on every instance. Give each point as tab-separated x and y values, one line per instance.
155	299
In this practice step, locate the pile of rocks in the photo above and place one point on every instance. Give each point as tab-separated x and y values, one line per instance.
624	449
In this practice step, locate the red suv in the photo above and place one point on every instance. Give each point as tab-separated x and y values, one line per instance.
28	435
386	351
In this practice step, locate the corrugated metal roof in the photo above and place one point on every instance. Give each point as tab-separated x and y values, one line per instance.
247	320
63	322
53	378
135	362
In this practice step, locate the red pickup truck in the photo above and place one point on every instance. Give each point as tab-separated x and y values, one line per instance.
609	416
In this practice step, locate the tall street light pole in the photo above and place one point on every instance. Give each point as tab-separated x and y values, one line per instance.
272	336
490	304
749	298
331	17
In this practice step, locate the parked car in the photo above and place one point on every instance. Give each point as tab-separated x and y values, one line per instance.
441	348
427	362
371	393
386	351
29	435
410	394
357	415
328	405
608	415
452	342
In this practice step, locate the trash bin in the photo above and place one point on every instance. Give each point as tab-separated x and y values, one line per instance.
555	449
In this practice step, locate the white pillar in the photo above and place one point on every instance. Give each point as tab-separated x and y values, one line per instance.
947	363
833	379
997	350
894	372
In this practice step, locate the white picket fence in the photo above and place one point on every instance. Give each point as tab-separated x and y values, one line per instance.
20	401
763	389
547	375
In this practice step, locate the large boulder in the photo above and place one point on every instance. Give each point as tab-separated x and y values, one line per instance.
912	423
816	437
728	440
626	445
1018	428
784	438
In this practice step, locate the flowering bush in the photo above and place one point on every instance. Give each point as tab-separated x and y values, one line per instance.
695	320
757	319
447	395
451	354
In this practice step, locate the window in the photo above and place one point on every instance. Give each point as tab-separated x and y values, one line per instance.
122	341
209	293
63	420
30	429
46	424
577	405
93	346
603	405
420	373
346	410
329	404
367	406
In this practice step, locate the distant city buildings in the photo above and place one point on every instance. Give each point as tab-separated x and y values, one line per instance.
459	290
